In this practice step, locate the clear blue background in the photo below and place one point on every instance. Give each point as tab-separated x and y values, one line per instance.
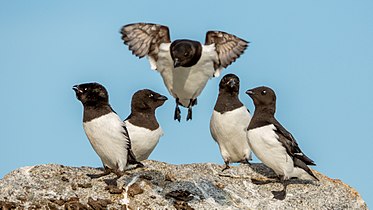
317	55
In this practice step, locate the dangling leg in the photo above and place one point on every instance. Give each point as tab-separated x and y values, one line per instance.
177	111
192	102
189	116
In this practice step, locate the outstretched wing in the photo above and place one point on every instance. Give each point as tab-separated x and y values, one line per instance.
228	46
145	38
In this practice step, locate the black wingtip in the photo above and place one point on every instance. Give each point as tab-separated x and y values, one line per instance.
300	164
313	175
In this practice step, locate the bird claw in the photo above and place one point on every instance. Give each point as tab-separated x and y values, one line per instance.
226	167
192	102
189	116
177	115
96	176
246	161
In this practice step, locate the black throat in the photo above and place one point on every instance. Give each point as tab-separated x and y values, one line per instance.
263	115
145	119
227	101
93	112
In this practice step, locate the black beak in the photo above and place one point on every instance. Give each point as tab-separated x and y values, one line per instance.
176	62
250	92
162	98
76	89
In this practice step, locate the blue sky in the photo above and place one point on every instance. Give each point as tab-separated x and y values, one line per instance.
317	56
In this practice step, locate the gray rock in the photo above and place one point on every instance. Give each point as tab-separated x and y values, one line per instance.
164	186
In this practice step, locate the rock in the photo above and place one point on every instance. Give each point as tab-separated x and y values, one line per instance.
164	186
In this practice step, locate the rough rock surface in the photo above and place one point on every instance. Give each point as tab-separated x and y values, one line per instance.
164	186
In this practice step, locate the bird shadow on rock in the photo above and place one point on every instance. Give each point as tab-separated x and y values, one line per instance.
152	176
184	191
270	177
281	194
263	170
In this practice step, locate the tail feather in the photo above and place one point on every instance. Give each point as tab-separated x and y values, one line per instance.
299	163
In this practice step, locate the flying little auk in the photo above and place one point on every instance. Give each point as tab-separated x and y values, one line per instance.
142	125
185	65
272	143
229	122
105	130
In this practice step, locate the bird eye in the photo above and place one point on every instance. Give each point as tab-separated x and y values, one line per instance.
85	89
186	54
264	92
151	95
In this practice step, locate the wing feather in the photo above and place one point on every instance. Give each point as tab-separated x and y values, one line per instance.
229	47
293	150
291	145
145	38
131	158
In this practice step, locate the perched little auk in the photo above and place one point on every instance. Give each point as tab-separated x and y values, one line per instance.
185	65
105	130
142	125
229	121
273	144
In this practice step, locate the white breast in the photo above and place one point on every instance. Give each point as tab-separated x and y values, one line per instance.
186	83
229	131
143	140
263	141
106	137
